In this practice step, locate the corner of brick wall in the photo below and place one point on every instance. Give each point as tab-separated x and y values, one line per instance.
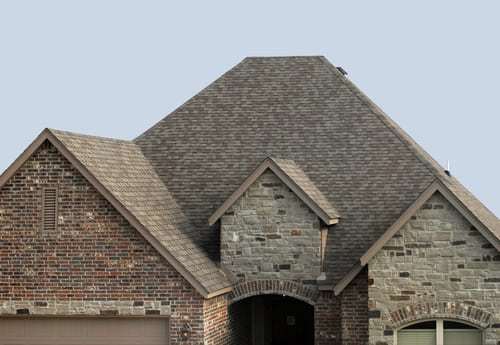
225	323
354	311
327	326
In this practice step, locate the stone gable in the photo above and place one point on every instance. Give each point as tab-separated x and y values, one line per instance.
269	233
437	265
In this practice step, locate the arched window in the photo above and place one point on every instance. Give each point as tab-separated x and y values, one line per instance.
439	332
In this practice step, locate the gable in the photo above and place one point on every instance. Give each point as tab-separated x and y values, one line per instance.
119	171
269	233
451	197
438	265
436	187
436	228
93	252
290	175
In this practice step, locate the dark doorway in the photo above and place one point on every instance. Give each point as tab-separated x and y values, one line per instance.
278	320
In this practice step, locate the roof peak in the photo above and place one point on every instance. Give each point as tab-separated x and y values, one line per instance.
285	57
294	178
88	136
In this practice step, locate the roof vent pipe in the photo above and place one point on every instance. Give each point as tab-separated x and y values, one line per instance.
341	70
448	171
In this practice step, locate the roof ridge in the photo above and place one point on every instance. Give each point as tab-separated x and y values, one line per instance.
89	136
173	112
420	153
431	164
283	56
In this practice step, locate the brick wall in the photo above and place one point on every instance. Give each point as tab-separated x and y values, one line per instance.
216	319
95	263
269	233
438	265
227	324
327	319
354	311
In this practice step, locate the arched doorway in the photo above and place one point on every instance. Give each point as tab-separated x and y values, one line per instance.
273	320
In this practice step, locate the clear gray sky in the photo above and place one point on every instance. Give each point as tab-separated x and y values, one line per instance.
114	68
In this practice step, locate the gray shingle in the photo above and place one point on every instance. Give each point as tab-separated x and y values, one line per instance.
300	178
301	109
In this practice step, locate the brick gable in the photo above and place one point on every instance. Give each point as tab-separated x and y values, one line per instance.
94	255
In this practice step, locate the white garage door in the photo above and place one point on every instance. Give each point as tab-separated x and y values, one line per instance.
84	331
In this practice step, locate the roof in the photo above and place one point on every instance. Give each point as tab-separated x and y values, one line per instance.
119	170
327	140
301	109
295	179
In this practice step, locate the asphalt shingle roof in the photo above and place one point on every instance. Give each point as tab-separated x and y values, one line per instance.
298	176
301	109
123	170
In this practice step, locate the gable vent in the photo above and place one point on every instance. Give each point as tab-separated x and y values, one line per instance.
49	209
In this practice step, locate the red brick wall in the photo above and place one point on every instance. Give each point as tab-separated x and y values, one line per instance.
227	324
216	318
94	255
354	311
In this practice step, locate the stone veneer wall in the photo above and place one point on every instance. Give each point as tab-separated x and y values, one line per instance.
95	264
269	233
436	265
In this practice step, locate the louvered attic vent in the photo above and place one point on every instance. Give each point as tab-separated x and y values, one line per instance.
49	210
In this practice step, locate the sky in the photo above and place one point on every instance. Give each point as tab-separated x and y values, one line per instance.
114	68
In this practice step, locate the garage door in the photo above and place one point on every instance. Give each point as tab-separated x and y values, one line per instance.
84	331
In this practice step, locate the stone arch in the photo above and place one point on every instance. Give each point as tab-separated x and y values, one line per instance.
289	288
444	310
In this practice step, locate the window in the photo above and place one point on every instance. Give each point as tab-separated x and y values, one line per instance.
49	205
439	332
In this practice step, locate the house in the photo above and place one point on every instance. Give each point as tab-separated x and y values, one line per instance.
277	206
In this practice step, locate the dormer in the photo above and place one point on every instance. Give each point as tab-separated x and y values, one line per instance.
275	225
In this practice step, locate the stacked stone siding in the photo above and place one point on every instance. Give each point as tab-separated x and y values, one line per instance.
437	265
95	263
269	233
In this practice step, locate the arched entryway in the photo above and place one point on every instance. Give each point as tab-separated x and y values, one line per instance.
273	320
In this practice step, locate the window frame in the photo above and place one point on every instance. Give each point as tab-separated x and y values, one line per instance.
439	329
